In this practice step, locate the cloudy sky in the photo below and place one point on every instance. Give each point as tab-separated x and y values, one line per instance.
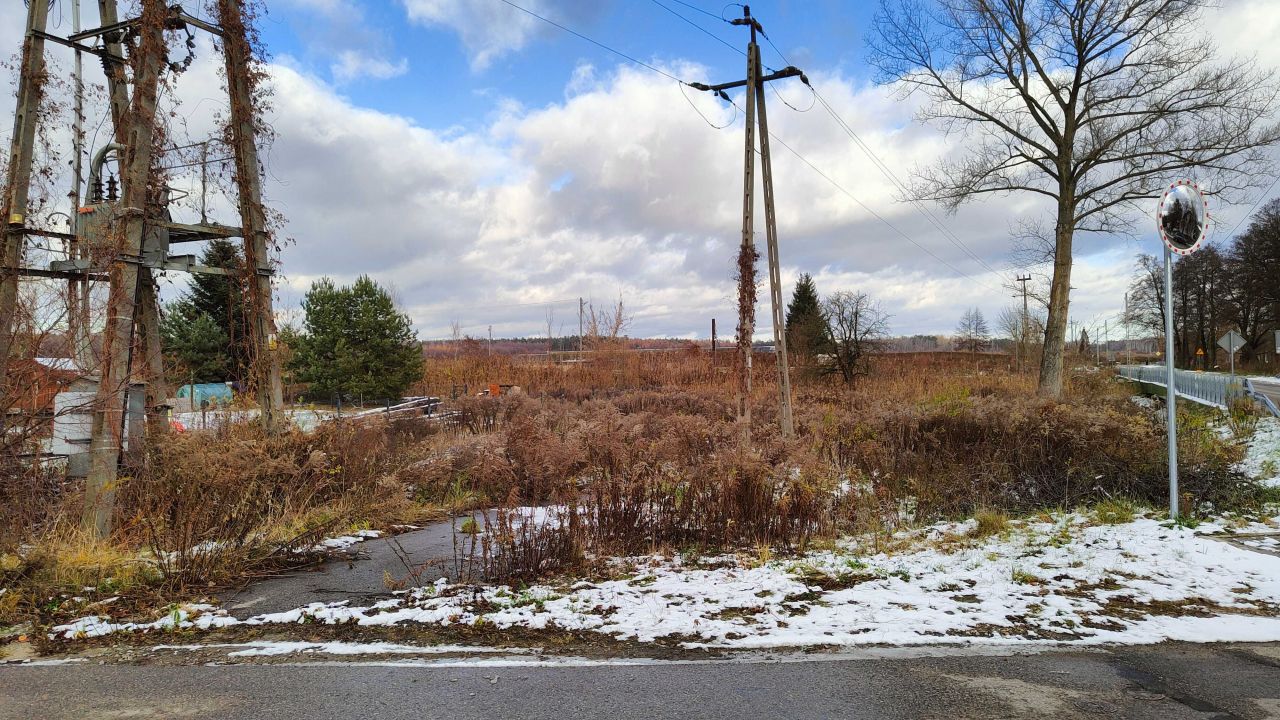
488	166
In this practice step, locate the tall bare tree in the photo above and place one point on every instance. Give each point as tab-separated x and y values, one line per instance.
1092	105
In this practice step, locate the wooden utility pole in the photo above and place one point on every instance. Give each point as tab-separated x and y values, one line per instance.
125	240
262	324
747	254
25	121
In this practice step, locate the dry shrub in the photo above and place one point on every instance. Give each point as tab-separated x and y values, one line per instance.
31	497
212	505
641	470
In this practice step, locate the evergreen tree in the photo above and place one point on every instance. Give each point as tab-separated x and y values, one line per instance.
221	297
194	343
355	343
806	325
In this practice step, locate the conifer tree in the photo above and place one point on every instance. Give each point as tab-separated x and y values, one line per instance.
355	343
195	345
806	325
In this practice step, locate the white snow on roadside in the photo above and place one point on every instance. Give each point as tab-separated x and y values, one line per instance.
1262	454
345	541
1143	401
1061	579
257	648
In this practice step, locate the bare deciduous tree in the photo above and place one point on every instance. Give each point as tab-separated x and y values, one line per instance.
857	328
1092	105
972	334
607	327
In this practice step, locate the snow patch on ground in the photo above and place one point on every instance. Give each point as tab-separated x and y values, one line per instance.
1262	454
343	542
261	648
1060	579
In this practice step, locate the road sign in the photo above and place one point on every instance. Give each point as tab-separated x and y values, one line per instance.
1231	342
1182	217
1199	352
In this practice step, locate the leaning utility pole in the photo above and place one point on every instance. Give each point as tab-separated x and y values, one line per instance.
747	254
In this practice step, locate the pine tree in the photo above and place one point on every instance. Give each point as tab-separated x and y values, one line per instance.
194	343
355	343
221	297
806	325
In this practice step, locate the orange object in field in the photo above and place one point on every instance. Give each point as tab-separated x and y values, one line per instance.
495	389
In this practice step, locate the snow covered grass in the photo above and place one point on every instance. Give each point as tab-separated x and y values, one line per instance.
1262	454
1064	577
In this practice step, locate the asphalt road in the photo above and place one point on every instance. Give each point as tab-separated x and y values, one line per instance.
1166	682
1269	387
414	558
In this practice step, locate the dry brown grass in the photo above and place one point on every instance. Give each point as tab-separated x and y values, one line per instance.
640	453
638	468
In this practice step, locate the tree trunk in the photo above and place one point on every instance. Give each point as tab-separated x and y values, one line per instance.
1055	327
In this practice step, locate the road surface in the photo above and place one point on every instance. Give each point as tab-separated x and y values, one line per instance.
1164	682
1269	387
405	560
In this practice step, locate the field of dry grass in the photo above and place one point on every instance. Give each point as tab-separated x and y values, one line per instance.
637	451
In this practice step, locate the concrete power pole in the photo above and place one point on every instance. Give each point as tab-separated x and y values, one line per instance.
147	299
25	121
130	237
114	378
754	85
262	324
1026	322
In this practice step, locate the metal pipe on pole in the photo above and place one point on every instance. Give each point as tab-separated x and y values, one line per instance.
1171	391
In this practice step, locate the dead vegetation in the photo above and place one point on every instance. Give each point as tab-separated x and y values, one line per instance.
635	453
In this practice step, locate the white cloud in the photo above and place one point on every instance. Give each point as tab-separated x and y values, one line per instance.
493	28
353	65
618	188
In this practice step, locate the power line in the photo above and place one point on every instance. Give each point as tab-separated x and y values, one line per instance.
889	175
875	214
1258	202
771	134
705	31
708	13
884	169
597	43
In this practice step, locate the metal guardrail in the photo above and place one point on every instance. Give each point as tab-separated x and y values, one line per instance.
1265	397
1215	389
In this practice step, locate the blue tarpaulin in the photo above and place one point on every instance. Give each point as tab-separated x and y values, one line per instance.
211	393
